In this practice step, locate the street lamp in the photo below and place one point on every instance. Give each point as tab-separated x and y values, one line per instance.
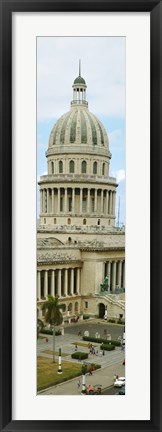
59	366
53	344
84	370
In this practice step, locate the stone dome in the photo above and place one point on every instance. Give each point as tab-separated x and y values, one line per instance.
79	80
79	127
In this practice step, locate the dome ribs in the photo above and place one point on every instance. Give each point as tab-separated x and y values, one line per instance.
73	128
93	129
83	129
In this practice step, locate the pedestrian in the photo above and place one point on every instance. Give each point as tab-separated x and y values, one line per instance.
78	384
76	347
47	340
114	377
96	352
103	352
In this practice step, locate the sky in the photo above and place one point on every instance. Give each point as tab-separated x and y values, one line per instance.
103	68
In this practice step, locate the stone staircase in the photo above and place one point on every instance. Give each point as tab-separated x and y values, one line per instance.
112	300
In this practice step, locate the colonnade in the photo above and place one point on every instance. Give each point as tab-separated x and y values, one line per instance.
58	282
77	200
115	270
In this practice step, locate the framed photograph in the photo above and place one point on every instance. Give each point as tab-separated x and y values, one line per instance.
80	215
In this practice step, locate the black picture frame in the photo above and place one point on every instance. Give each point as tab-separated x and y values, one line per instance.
6	9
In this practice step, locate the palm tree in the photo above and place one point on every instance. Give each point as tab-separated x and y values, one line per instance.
53	315
40	326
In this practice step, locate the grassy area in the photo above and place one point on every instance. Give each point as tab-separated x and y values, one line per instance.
81	344
56	353
47	372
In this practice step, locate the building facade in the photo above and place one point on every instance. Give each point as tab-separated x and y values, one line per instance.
80	252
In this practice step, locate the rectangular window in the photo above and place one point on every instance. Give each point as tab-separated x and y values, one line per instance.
86	305
84	205
92	205
70	204
61	204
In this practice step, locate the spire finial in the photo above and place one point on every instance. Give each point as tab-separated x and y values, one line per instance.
79	67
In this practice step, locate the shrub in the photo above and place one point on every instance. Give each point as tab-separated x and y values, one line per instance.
112	320
50	332
94	366
107	347
120	321
85	317
100	340
79	355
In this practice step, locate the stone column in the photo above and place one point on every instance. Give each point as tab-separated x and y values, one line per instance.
101	200
107	201
109	273
47	200
65	197
72	282
119	273
114	196
78	281
38	285
53	283
65	282
45	284
88	200
73	200
53	196
95	201
110	203
81	199
43	200
113	276
123	274
58	200
59	282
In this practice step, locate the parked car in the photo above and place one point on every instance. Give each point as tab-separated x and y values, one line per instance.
119	382
122	391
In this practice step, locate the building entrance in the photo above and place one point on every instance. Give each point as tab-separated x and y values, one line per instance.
101	310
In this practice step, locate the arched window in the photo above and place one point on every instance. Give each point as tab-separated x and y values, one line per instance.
84	221
76	307
60	167
52	167
44	220
69	221
54	221
70	307
84	167
103	169
98	222
71	166
95	168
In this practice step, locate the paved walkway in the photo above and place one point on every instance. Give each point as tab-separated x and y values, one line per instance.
103	376
111	363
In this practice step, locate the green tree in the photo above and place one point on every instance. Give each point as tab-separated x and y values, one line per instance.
53	315
40	326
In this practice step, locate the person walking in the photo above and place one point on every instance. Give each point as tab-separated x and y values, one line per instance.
78	384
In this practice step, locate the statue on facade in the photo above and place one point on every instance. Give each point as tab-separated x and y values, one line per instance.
105	285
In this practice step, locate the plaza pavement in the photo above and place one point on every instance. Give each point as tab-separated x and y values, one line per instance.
111	363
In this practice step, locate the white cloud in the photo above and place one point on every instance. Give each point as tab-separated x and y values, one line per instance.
103	67
119	175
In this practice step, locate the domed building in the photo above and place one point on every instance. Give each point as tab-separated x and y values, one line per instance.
81	254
